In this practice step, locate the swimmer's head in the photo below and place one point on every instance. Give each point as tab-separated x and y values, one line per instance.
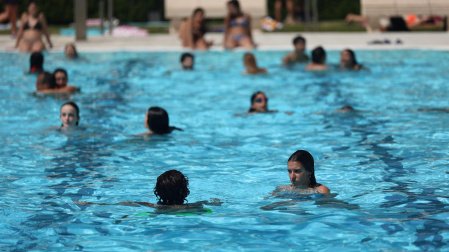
44	81
172	188
69	115
347	59
249	61
60	77
259	102
36	62
301	169
234	8
156	120
33	9
198	14
70	51
187	60
319	55
300	43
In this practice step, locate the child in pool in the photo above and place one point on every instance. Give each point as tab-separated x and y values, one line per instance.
318	60
171	190
301	170
249	61
298	56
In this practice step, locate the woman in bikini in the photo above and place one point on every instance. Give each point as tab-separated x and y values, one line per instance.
33	25
192	31
237	28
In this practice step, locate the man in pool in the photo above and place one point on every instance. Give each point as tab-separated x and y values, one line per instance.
298	56
318	60
187	60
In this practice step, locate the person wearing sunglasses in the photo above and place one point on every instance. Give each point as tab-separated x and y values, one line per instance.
259	104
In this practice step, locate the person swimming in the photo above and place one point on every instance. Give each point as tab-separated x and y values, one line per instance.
44	82
171	191
69	115
192	31
36	62
318	60
298	56
33	25
348	60
70	51
301	171
157	121
249	61
237	27
259	104
187	61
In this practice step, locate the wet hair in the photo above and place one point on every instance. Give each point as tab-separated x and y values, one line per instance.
158	121
197	10
61	70
318	54
352	55
186	55
299	39
36	62
172	188
253	99
77	109
250	63
46	80
75	55
306	160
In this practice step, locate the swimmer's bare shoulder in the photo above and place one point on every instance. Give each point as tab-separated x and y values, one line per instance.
322	189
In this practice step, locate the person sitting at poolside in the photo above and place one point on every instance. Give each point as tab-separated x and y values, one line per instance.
298	56
318	60
36	62
237	27
301	171
192	31
249	61
70	51
187	61
348	60
171	191
157	121
33	25
69	115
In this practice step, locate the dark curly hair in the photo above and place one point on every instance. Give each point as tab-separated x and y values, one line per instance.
172	188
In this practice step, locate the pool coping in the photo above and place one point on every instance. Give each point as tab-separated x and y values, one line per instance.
265	41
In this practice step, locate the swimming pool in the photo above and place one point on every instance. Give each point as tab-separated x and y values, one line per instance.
386	166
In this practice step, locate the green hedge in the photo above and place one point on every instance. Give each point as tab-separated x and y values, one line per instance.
60	12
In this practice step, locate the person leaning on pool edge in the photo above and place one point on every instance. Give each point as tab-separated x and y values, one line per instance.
301	171
157	121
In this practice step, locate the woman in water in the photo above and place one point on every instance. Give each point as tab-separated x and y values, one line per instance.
33	25
318	60
249	61
348	60
70	51
301	170
156	120
192	31
69	115
237	27
46	83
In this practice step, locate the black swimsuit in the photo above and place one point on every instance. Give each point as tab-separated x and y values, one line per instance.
37	26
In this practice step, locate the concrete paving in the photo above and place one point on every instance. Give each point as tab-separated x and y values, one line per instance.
265	41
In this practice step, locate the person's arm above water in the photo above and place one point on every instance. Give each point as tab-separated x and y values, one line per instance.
289	58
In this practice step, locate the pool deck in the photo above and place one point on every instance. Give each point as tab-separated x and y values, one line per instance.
265	41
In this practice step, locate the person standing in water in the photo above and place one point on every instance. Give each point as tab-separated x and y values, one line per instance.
318	60
298	56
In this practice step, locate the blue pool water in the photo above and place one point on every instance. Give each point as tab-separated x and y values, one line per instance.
387	167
